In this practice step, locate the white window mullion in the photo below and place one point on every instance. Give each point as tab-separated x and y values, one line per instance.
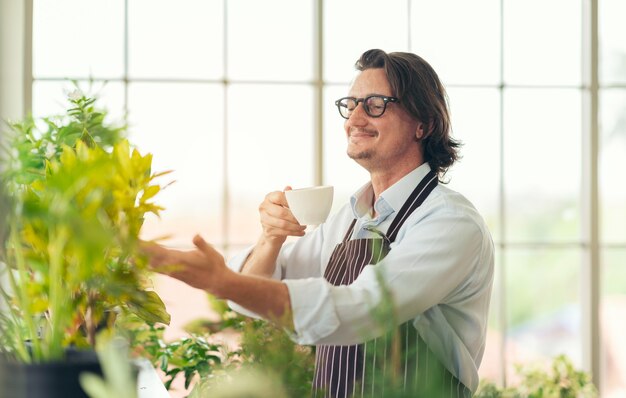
16	44
500	282
318	82
590	280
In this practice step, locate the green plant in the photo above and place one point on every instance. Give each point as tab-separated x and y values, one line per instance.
211	367
76	196
118	380
270	348
561	380
266	361
265	349
244	382
194	356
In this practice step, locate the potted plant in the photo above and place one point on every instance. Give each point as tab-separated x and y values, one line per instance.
74	199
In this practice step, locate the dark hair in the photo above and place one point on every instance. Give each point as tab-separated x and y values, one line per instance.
419	90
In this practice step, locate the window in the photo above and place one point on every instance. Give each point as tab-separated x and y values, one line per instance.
226	93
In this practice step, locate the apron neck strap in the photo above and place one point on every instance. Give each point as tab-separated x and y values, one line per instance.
415	199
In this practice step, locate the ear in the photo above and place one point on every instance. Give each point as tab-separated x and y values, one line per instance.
419	131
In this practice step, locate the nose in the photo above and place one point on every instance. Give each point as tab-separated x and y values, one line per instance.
358	117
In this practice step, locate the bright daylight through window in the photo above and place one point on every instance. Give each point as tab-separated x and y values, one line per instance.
238	99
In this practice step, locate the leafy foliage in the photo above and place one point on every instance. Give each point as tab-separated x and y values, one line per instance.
561	380
269	349
266	360
286	368
119	380
77	199
193	357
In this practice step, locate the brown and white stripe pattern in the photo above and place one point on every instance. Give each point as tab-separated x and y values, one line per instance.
351	371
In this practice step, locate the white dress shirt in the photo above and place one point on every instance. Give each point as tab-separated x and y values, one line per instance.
439	270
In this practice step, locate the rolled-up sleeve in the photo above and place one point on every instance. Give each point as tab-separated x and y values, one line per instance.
313	308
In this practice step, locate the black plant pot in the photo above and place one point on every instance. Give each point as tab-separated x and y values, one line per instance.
47	380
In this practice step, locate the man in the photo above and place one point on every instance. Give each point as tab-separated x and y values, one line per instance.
403	232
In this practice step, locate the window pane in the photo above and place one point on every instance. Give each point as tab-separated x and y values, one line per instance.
50	97
185	304
339	170
353	26
542	41
470	57
612	322
612	43
179	39
270	39
475	117
492	363
77	38
612	165
543	306
182	126
270	146
542	161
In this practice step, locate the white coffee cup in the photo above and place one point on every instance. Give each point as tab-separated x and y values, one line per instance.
311	205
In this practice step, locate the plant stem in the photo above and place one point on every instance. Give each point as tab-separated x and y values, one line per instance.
57	239
23	303
90	323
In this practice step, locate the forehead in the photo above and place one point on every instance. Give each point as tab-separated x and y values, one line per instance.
370	81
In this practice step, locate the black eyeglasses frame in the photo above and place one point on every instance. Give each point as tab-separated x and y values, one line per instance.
386	99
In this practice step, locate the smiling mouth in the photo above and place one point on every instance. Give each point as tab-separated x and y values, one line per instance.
362	133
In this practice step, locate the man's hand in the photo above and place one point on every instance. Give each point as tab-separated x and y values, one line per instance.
278	223
277	220
203	268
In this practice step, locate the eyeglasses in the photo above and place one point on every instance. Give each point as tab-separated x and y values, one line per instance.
374	105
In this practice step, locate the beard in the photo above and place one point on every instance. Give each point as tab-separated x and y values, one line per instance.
362	155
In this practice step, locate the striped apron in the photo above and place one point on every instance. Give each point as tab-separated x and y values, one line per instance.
360	370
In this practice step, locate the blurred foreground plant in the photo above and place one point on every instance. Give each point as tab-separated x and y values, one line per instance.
119	379
76	196
265	350
193	357
267	364
561	380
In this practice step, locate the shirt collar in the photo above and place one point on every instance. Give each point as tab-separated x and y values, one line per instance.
392	199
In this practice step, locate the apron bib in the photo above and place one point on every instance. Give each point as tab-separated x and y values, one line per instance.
347	371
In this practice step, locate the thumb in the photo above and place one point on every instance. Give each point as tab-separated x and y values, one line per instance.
208	250
202	245
287	188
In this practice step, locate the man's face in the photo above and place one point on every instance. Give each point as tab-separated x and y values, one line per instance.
386	141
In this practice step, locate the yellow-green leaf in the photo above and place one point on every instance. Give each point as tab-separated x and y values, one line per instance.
150	308
150	192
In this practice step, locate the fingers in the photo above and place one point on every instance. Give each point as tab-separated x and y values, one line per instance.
157	255
276	198
276	218
278	221
198	268
201	243
164	260
281	223
205	248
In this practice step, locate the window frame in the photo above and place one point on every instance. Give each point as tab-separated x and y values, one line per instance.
590	241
